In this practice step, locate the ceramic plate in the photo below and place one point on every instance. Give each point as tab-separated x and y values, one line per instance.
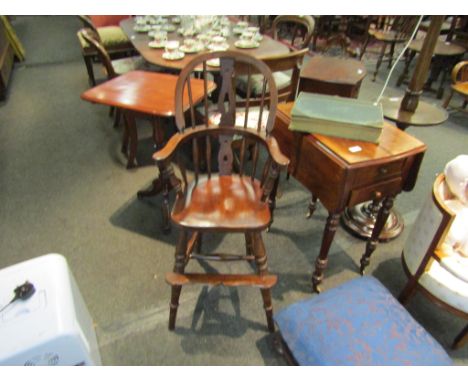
238	30
214	62
157	45
218	48
246	44
172	56
169	28
141	28
193	49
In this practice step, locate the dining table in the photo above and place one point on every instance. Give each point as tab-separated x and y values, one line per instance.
268	47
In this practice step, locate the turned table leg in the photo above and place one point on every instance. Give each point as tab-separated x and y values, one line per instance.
132	137
374	239
322	259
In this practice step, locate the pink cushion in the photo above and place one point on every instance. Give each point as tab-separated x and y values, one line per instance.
107	20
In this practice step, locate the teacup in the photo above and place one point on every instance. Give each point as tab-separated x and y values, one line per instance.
189	43
140	20
254	30
225	32
218	42
204	39
172	47
242	24
160	37
247	36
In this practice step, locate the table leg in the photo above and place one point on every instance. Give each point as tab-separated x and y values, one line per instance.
322	259
406	70
387	205
130	137
312	206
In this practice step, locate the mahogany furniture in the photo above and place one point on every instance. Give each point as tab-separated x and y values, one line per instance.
148	94
111	37
446	54
217	200
112	68
409	109
429	262
268	48
394	30
299	32
139	92
341	178
459	83
333	76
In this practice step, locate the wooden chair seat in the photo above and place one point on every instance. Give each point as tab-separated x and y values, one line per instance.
461	87
459	83
228	203
388	36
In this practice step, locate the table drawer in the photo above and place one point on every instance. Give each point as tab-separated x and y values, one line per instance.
388	187
373	174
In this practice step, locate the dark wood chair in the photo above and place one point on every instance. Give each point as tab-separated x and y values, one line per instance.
337	45
296	31
459	83
388	31
430	262
112	38
112	68
218	200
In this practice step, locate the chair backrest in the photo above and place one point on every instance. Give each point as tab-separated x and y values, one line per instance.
232	65
299	28
88	23
402	25
338	43
92	38
288	64
460	72
429	230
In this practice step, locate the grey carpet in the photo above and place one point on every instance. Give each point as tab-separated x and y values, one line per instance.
64	188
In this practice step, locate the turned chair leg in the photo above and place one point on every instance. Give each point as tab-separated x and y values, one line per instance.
262	269
379	61
179	267
447	101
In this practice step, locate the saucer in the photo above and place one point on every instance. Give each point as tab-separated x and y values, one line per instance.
157	45
193	49
218	48
242	44
142	28
237	30
213	62
169	28
173	56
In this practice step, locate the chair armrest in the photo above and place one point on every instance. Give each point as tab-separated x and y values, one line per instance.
166	153
456	70
275	152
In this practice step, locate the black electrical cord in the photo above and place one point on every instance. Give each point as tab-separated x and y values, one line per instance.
21	292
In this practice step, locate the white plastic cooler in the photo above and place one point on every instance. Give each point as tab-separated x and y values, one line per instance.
52	327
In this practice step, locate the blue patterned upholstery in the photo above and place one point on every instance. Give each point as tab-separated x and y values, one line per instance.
357	323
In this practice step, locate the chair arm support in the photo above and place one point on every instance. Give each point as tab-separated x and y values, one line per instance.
275	152
456	69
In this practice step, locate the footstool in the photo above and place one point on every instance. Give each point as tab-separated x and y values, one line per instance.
356	323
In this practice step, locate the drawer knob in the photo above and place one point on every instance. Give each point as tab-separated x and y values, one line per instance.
383	170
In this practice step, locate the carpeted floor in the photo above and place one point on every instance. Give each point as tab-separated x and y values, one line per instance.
64	188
